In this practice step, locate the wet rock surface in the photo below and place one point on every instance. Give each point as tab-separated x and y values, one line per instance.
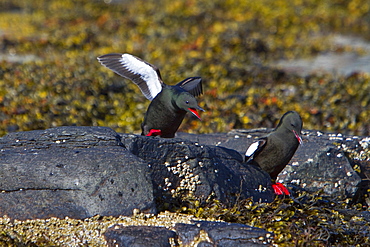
186	168
139	236
77	172
198	233
80	172
322	161
222	234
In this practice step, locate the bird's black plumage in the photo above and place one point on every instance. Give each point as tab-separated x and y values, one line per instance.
274	151
169	103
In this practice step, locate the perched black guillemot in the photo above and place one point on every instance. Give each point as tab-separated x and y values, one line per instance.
274	151
169	104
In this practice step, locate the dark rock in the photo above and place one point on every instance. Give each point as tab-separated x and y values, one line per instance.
77	172
62	137
139	236
329	170
83	171
207	233
321	163
232	140
184	169
201	233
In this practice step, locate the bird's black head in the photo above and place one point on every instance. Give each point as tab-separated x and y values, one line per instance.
185	101
293	122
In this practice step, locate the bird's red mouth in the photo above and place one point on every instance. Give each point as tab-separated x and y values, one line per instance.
298	137
194	111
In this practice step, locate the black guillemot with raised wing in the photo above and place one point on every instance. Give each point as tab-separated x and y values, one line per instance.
169	104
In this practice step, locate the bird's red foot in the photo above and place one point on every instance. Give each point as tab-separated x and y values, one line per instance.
280	189
154	132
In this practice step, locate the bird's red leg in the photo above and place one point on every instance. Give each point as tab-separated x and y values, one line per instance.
280	189
154	132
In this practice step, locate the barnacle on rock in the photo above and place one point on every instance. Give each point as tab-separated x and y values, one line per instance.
73	232
49	77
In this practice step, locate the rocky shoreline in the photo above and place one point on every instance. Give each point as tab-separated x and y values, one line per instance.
77	174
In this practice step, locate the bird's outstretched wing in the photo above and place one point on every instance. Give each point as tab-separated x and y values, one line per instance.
193	85
254	148
143	74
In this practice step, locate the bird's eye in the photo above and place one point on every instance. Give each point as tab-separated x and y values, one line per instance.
187	102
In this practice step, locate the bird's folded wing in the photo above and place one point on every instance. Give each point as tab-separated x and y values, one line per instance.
254	148
143	74
193	85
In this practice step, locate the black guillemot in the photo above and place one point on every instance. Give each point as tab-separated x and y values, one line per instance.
274	151
169	104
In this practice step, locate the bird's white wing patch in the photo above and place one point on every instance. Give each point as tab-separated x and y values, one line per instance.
252	148
145	71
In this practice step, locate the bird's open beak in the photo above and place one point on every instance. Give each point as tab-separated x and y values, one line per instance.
195	113
298	137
